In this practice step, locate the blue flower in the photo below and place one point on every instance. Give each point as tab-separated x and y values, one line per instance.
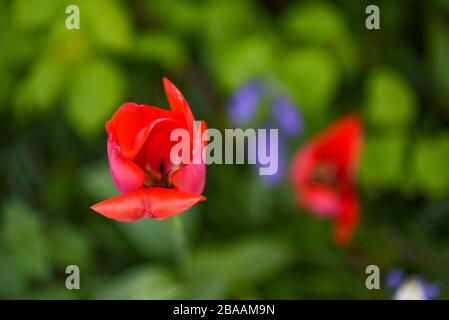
287	117
244	103
411	287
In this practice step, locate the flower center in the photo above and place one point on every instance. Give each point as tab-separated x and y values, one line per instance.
157	178
325	173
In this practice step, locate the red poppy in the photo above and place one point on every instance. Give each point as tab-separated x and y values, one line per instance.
139	145
323	173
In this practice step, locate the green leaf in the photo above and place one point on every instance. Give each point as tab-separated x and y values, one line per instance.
12	279
69	245
161	49
323	24
107	23
390	101
97	181
313	78
179	16
250	58
25	239
147	283
219	270
95	92
40	88
383	161
430	164
31	14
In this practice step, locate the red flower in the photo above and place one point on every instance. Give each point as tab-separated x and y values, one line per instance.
323	175
139	145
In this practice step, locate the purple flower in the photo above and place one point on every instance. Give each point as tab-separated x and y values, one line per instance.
282	167
243	105
286	116
411	287
431	290
394	278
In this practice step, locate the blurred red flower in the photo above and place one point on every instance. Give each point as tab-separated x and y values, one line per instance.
323	173
139	145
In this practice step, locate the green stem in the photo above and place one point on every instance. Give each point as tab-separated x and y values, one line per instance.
182	248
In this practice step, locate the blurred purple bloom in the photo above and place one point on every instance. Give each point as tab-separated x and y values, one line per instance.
286	116
282	167
394	278
411	287
431	291
244	103
281	157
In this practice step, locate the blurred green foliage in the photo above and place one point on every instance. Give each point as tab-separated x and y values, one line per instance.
58	87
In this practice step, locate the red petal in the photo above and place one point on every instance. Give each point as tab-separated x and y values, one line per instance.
131	124
341	143
190	178
178	104
155	154
347	220
321	200
127	176
155	203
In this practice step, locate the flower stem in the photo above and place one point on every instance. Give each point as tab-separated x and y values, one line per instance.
182	247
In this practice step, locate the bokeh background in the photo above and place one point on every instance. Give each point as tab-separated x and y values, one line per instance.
248	240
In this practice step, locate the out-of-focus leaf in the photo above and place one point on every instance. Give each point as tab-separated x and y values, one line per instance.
180	16
55	292
153	238
259	201
25	240
40	88
220	25
313	78
161	49
323	24
391	101
97	181
244	61
383	161
147	283
430	164
69	246
12	279
31	14
107	22
95	92
219	270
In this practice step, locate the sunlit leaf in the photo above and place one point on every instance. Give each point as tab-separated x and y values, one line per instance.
391	101
383	163
29	14
160	49
313	78
322	24
430	163
107	22
96	90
